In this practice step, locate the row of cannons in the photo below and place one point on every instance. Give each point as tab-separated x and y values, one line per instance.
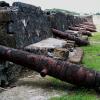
49	44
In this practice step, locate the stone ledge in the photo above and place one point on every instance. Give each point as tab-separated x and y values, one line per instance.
51	47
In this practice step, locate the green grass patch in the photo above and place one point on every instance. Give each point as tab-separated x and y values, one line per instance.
92	53
79	95
92	56
95	37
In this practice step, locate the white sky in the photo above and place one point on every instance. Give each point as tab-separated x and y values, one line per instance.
85	6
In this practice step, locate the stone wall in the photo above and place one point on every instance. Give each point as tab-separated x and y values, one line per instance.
62	21
30	24
24	24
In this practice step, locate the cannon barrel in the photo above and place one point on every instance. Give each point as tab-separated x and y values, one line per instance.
78	41
88	23
84	25
83	32
75	28
63	70
90	29
83	28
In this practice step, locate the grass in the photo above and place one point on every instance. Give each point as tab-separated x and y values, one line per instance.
83	95
91	60
92	53
96	37
92	56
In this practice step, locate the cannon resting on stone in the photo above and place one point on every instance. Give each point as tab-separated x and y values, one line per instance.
83	32
86	28
65	35
63	70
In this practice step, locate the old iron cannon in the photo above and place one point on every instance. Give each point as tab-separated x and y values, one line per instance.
64	35
63	70
83	32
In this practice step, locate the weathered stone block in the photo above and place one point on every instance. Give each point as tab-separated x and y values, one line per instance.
51	47
76	56
61	53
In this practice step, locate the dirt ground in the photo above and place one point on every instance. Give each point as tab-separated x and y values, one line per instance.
32	88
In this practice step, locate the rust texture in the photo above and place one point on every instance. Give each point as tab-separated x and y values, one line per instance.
74	28
90	29
83	32
65	71
90	24
86	28
78	41
85	25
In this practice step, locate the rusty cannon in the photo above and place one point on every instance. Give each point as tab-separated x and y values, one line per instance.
74	28
82	28
84	25
89	23
90	29
64	35
83	32
63	70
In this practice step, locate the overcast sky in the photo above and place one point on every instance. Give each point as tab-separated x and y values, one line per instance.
85	6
